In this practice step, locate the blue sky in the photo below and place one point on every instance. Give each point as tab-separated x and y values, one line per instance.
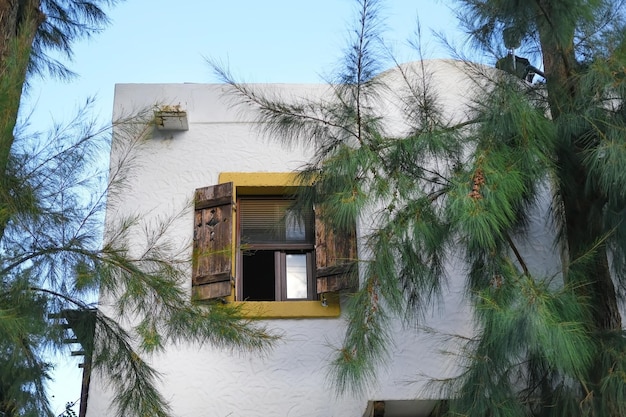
153	41
157	41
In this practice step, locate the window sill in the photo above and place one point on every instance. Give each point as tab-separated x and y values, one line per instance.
291	309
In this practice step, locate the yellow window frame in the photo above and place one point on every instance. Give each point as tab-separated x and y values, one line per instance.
273	183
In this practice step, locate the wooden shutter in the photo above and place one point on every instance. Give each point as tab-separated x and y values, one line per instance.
212	241
335	258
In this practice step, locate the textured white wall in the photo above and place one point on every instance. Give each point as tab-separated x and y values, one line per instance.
291	380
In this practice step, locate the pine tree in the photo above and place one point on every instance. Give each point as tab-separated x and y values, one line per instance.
29	31
54	256
56	260
547	343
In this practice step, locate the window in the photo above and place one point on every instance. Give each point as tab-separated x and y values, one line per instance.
278	254
276	245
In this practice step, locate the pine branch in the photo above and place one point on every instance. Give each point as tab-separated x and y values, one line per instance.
518	255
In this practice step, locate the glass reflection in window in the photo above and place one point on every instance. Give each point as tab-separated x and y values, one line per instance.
296	275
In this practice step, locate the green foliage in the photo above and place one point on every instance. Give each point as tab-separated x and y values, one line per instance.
427	190
54	256
49	277
60	24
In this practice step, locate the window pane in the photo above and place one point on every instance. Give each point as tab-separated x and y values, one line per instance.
258	276
273	221
296	275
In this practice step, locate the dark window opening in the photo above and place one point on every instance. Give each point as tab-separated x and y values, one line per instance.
259	278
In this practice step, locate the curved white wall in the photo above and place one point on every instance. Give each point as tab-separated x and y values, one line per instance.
291	380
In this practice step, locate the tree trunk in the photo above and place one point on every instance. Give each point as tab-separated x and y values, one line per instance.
19	21
583	203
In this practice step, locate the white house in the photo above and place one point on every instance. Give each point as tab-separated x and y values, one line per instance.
205	142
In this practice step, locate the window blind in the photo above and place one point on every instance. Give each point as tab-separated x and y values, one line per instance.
274	221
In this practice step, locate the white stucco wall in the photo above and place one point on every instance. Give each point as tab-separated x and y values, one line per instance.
292	379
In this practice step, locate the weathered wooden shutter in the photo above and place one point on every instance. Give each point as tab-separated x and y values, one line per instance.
212	241
335	258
